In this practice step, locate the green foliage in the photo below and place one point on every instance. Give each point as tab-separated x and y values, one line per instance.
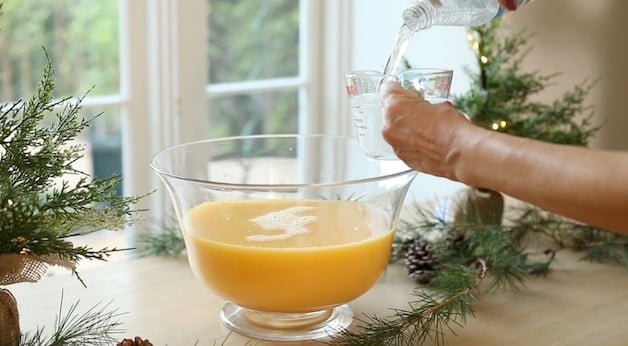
95	326
163	240
81	36
595	244
39	206
501	94
500	246
250	41
468	254
269	28
430	314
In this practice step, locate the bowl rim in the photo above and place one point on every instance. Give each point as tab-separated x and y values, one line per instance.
244	186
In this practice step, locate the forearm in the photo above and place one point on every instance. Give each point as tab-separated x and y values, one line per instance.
579	183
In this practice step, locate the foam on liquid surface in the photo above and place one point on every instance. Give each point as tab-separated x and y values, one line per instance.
286	220
286	223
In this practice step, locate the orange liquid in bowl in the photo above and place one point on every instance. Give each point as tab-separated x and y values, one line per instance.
288	255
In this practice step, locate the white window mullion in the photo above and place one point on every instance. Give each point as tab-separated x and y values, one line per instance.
164	63
327	56
336	61
190	61
135	112
310	45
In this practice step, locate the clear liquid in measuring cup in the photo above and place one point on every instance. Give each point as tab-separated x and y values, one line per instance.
366	110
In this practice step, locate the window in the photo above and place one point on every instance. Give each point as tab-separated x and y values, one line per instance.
224	67
81	38
85	61
164	72
274	65
254	75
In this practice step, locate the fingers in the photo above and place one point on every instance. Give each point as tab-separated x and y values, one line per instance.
398	101
393	89
389	87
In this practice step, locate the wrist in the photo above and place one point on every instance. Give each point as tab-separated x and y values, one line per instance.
466	154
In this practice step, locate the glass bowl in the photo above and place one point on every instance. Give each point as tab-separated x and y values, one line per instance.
286	228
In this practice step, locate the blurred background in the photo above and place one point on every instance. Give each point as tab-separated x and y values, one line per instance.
162	72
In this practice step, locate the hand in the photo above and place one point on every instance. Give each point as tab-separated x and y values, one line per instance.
439	140
423	135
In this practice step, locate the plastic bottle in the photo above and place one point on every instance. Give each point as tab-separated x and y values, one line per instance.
426	13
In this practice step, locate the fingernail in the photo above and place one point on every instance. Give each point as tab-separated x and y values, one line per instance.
511	5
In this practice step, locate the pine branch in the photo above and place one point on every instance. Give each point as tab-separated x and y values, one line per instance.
499	97
39	207
95	326
431	314
446	301
164	239
596	244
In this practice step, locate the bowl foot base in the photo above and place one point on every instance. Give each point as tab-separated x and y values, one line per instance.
286	326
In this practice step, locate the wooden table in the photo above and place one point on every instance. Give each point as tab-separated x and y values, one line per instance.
579	303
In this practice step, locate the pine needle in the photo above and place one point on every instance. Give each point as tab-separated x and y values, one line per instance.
95	326
430	315
39	207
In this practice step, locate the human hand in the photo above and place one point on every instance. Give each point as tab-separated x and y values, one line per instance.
424	135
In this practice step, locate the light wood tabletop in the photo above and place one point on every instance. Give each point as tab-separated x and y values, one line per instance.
578	303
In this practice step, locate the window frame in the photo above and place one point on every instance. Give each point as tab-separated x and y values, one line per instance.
164	98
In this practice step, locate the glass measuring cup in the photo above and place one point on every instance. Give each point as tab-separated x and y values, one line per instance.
366	107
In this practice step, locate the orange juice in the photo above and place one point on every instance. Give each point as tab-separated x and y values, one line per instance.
288	255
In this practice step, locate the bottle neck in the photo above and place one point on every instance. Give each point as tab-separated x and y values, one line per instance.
419	16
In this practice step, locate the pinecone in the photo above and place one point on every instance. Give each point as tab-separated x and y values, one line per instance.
420	259
135	342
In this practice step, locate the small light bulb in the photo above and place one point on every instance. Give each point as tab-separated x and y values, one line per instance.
495	126
484	59
503	124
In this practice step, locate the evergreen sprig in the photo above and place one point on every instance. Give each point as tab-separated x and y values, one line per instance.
164	239
507	257
429	316
502	92
39	206
95	326
595	244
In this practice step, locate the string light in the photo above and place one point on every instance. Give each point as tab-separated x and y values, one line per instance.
499	125
475	43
